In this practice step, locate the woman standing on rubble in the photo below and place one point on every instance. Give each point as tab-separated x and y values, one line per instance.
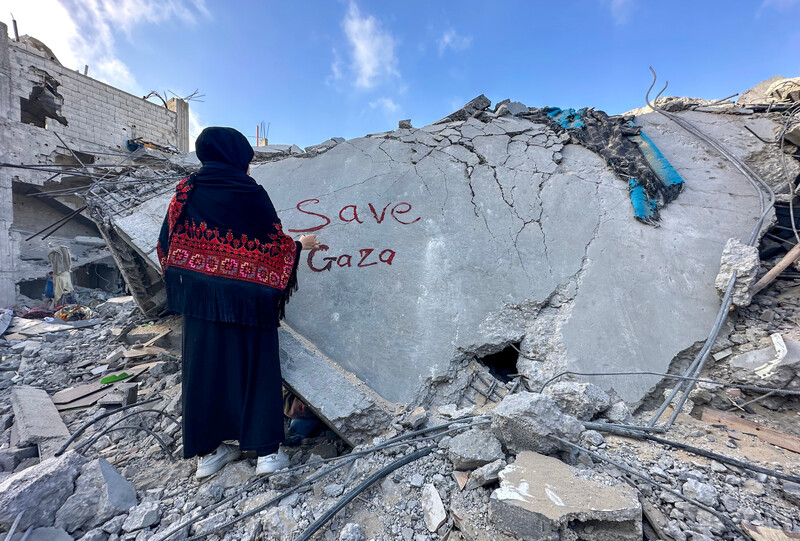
229	269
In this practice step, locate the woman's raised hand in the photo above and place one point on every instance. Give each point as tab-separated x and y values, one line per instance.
309	242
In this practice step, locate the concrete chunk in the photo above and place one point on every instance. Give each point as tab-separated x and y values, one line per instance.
37	420
39	490
525	422
474	448
100	494
540	495
739	257
581	400
432	508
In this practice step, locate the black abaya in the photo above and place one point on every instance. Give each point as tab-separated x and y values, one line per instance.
231	387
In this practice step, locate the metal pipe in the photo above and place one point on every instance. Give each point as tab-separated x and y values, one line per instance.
64	219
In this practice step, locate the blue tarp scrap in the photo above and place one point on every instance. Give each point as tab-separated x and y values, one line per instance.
633	156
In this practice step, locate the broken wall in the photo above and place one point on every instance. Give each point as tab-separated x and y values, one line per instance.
39	98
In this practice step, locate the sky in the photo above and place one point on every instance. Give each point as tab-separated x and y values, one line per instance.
345	68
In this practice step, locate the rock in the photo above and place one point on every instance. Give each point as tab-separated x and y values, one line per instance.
204	526
524	422
142	516
592	438
432	508
539	496
581	400
485	475
114	525
416	418
417	480
333	490
352	532
96	534
619	413
100	494
390	492
277	523
46	534
405	124
235	474
39	490
702	492
474	448
791	492
472	107
745	261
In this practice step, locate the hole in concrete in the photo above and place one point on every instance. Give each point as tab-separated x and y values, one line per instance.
42	103
503	364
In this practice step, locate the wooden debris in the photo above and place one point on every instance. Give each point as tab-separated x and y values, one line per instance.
769	435
88	394
790	257
144	351
655	517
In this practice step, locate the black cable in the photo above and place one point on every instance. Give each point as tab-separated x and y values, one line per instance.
673	376
91	441
346	459
604	427
364	485
100	417
131	427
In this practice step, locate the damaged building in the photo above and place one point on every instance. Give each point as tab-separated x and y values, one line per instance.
60	130
522	323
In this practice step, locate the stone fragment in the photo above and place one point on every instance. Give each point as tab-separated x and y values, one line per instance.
46	534
432	508
352	532
581	400
524	422
100	494
472	107
485	475
278	523
39	490
702	492
405	124
416	418
142	516
37	420
619	413
333	490
417	480
739	257
96	534
791	492
206	525
474	448
539	496
461	478
235	474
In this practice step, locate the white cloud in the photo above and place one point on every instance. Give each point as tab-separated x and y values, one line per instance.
81	32
621	10
387	105
372	48
452	40
195	127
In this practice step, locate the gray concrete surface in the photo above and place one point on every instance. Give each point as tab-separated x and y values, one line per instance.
37	420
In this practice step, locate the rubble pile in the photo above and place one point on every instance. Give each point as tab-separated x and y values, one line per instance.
504	443
479	483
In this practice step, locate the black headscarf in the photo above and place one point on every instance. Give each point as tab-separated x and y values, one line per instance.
221	197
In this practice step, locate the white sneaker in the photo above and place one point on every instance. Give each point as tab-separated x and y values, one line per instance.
272	463
211	464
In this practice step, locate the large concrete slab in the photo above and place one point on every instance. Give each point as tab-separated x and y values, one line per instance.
37	420
456	240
